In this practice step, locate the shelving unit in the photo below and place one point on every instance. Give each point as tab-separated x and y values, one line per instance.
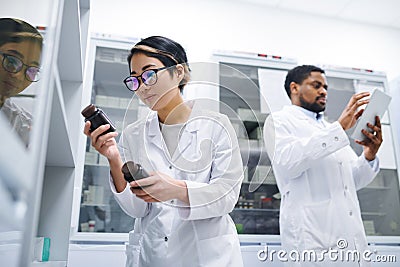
105	71
107	64
49	264
42	176
65	124
379	201
240	90
243	102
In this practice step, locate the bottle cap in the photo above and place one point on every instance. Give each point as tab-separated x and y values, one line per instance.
88	111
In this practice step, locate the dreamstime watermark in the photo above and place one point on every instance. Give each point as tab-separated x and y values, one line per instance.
340	253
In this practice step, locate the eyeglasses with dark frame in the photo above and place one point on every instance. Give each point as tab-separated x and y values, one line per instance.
148	77
13	64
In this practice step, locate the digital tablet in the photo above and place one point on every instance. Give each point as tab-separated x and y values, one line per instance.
378	103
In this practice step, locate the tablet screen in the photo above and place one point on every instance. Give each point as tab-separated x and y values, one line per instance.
377	106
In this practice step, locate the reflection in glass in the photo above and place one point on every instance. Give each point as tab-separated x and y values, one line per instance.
99	211
20	53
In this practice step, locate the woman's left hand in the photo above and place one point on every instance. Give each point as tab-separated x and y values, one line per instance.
159	187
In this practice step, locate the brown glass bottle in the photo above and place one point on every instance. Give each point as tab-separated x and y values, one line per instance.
133	171
97	117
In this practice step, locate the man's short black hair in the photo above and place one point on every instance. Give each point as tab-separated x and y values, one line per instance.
299	74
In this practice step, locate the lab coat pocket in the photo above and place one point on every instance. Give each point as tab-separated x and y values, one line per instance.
132	250
154	252
319	225
220	251
132	255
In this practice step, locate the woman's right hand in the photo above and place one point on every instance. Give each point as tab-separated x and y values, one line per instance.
104	144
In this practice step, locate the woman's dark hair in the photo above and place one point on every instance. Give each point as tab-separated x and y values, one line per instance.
299	74
16	30
166	50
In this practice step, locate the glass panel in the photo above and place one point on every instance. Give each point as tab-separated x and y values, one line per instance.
379	201
257	212
339	93
380	206
22	40
99	211
20	55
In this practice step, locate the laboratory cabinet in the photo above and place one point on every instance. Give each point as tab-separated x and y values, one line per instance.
246	80
395	110
37	178
95	206
247	87
379	201
96	209
252	85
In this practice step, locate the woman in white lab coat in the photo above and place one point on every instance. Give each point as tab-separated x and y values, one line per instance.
20	52
194	162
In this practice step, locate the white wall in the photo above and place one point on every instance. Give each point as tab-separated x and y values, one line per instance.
35	12
395	111
201	26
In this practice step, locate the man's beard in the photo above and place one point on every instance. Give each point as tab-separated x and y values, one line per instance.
314	107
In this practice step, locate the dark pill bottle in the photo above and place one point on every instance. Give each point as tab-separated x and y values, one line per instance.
133	171
97	117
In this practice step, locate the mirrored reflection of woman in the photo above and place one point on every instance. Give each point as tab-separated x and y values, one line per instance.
20	52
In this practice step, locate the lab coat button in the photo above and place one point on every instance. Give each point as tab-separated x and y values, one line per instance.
350	213
336	138
323	145
345	187
172	201
166	238
170	167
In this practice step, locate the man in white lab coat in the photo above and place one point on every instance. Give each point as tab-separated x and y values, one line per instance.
318	173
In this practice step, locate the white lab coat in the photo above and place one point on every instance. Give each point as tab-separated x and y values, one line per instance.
318	175
19	118
208	159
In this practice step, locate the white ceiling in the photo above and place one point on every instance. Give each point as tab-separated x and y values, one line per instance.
376	12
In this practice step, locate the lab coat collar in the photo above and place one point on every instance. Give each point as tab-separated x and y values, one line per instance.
152	130
296	111
300	111
304	114
192	125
